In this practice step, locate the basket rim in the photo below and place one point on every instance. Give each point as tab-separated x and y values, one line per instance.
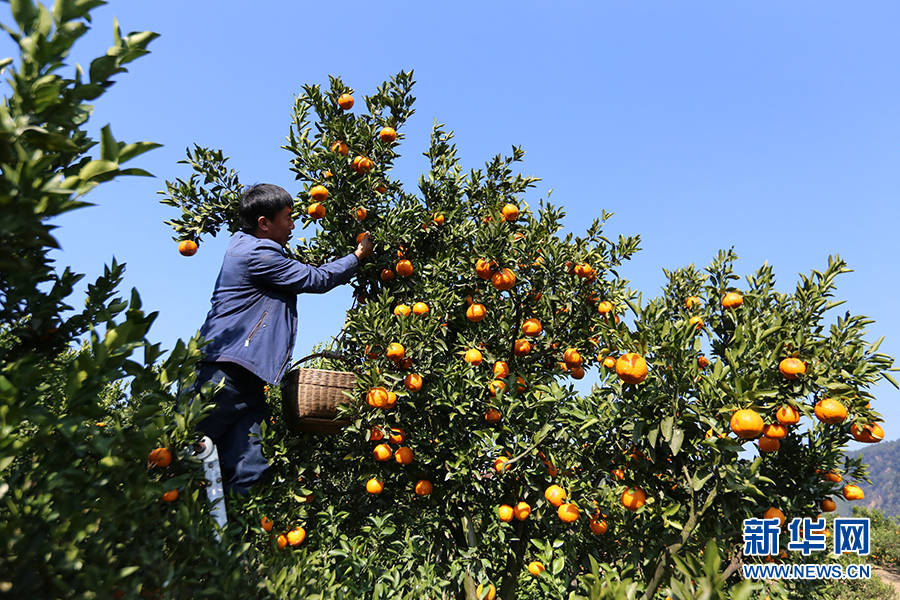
314	369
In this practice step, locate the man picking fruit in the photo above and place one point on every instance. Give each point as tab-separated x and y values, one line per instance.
252	326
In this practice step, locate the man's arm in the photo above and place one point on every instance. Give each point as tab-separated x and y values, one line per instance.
268	266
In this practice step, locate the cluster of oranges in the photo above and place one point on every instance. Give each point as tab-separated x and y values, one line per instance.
161	457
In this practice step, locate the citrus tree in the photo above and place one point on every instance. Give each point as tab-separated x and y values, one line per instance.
470	465
98	487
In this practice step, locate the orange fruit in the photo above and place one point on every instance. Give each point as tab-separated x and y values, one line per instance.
170	496
375	434
423	487
535	567
505	512
501	369
377	397
500	464
776	431
618	474
387	135
404	455
345	101
413	382
791	368
692	302
327	174
484	268
787	415
396	436
373	486
631	368
746	423
774	513
318	193
520	384
633	498
402	310
404	268
361	213
473	356
387	275
476	312
381	188
266	523
732	300
382	452
496	386
316	211
598	527
567	512
572	358
696	321
555	495
492	416
395	351
521	347
160	457
510	212
833	477
870	433
296	536
767	444
609	362
577	373
340	147
282	541
828	505
438	219
187	247
391	399
489	592
532	327
420	308
522	510
504	280
853	492
702	362
605	307
830	411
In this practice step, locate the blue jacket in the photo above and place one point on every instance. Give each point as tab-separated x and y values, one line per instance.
253	320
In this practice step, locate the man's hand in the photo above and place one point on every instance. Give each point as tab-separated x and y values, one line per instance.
364	248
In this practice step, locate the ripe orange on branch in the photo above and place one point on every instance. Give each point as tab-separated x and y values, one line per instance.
732	300
791	368
521	347
787	415
774	513
382	452
413	382
522	511
633	498
501	369
853	492
340	147
631	368
492	416
345	101
532	327
484	268
420	308
510	212
504	280
476	313
404	268
830	411
404	455
318	193
395	351
160	457
373	486
505	512
555	495
535	568
605	307
316	211
473	356
187	247
387	135
746	423
568	512
869	433
423	487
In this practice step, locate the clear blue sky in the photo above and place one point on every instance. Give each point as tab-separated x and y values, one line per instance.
769	126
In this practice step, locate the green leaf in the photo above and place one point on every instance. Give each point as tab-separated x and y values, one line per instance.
677	439
96	168
109	149
25	13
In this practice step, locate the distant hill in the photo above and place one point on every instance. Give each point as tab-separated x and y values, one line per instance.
884	471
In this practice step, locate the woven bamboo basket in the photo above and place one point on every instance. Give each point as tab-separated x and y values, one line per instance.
310	398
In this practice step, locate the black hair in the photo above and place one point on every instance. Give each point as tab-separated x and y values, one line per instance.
261	200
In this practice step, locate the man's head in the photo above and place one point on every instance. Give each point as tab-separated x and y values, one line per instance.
265	212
